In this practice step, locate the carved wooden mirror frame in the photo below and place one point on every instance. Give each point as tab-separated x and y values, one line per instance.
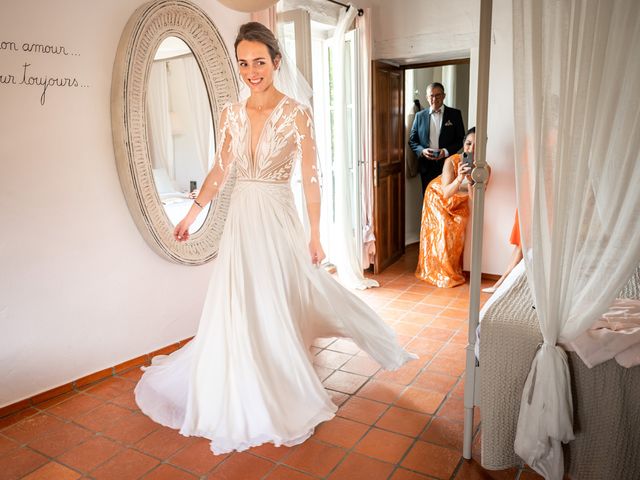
148	27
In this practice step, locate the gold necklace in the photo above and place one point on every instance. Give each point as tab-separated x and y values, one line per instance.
259	107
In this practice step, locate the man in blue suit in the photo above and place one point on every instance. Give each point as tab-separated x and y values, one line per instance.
437	132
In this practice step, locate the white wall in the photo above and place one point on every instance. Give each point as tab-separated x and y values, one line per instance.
80	290
413	31
501	192
412	185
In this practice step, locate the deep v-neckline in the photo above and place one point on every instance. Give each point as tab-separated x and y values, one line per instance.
252	152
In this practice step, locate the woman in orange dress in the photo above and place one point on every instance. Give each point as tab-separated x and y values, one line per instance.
444	218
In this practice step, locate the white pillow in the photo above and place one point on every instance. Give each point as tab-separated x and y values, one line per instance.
162	180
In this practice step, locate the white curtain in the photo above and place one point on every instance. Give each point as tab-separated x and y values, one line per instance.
199	111
346	250
159	132
577	124
364	144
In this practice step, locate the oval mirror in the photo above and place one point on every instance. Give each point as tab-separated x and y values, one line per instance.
172	75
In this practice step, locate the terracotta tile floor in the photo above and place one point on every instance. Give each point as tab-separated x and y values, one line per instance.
403	425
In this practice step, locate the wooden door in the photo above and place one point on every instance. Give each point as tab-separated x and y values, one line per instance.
388	163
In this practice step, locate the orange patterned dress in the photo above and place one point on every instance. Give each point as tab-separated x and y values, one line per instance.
442	234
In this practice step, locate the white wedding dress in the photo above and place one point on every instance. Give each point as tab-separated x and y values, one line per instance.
247	376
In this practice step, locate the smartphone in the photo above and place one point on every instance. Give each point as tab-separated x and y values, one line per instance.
467	159
435	152
192	185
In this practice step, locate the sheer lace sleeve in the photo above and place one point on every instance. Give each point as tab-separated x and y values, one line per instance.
308	156
222	160
223	157
306	149
214	179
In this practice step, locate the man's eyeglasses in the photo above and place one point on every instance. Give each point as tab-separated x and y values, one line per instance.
437	95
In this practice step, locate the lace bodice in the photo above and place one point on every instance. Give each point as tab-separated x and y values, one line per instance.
287	137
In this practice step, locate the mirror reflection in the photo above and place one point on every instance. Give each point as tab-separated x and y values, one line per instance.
180	129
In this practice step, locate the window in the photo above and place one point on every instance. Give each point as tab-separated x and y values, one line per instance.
292	26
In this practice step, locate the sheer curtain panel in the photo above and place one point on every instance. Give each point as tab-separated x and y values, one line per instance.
200	111
363	29
346	251
159	130
577	124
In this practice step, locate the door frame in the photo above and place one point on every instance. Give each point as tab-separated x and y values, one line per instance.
381	264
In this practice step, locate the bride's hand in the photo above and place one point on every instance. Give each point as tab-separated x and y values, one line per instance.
316	251
181	232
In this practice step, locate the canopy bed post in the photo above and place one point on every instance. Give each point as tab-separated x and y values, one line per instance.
480	176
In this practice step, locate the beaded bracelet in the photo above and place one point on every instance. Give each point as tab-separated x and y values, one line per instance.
197	203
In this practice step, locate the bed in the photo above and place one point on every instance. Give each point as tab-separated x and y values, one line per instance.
606	398
176	204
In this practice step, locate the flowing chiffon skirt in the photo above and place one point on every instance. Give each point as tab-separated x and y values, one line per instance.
247	376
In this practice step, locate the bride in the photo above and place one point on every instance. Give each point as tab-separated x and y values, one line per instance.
247	376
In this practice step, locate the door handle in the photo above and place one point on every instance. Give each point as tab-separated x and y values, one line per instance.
375	173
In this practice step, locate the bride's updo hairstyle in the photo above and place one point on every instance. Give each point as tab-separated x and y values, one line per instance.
257	32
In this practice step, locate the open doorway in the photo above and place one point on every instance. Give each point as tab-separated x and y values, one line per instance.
454	75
